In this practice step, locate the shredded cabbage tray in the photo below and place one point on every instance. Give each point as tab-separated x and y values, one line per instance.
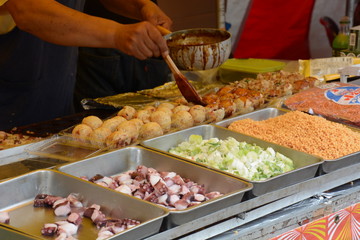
239	158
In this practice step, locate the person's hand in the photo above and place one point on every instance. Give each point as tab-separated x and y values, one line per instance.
141	40
152	13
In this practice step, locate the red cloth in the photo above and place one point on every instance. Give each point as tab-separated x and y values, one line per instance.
276	29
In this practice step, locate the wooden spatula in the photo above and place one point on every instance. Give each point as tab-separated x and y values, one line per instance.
185	87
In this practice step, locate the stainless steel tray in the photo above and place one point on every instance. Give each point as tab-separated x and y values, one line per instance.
263	114
21	191
129	158
16	161
9	234
64	148
306	165
258	115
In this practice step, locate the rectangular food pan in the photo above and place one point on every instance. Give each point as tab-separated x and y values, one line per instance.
64	148
258	115
17	161
122	160
24	217
10	234
306	165
266	113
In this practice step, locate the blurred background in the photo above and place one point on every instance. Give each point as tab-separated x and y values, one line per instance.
272	29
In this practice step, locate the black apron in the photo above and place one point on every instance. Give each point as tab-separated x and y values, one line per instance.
105	72
37	78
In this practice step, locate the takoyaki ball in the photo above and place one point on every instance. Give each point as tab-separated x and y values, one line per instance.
167	104
113	122
143	115
131	128
127	112
165	109
181	120
138	123
118	139
82	132
162	118
215	115
3	135
181	108
150	109
229	106
198	113
92	121
150	130
99	135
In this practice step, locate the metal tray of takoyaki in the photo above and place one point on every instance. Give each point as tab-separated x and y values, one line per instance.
327	166
173	171
129	125
305	165
48	203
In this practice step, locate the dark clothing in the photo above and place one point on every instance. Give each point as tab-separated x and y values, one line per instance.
105	72
36	77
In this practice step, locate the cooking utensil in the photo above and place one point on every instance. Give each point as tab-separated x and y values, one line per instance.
198	48
185	87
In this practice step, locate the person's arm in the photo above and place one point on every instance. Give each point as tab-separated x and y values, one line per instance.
140	10
56	23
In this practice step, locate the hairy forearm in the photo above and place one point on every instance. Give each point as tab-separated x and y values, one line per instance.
56	23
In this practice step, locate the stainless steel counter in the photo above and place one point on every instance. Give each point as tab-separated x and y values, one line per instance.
227	223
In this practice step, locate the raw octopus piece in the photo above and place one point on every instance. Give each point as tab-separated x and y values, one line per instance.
164	188
4	217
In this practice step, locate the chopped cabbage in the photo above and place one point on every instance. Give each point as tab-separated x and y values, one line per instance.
239	158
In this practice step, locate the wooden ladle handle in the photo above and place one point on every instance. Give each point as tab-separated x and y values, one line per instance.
163	30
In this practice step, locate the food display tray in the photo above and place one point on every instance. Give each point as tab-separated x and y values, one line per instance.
65	148
129	158
306	165
257	115
9	234
263	114
16	161
24	218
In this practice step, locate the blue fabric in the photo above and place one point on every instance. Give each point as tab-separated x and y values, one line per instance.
37	78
